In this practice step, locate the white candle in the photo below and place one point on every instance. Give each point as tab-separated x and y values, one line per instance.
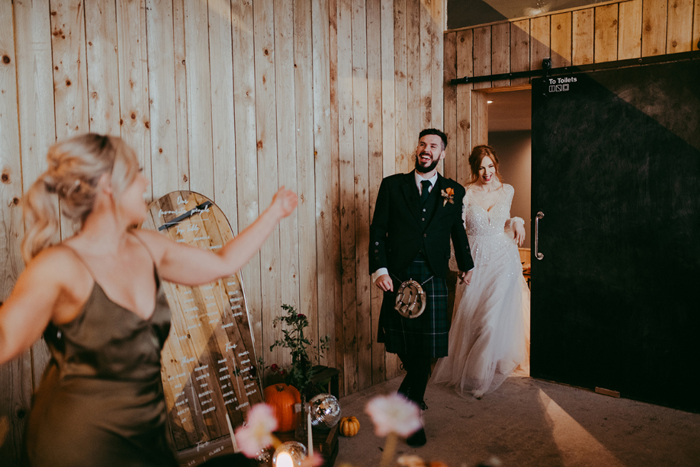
311	436
284	460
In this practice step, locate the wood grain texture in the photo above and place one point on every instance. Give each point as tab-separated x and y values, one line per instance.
305	159
654	22
561	40
482	55
374	353
450	104
162	95
268	183
583	36
500	52
629	42
102	67
37	128
540	41
680	26
696	26
223	128
16	376
69	77
465	63
606	33
288	280
183	145
520	49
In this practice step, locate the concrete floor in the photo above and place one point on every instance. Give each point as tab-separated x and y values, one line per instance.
528	422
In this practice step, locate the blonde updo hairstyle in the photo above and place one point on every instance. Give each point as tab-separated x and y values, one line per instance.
475	158
74	169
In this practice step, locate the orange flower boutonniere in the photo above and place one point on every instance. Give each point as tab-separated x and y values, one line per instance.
448	196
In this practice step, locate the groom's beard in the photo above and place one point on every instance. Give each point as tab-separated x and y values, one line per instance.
425	170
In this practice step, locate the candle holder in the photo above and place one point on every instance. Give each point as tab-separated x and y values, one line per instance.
289	454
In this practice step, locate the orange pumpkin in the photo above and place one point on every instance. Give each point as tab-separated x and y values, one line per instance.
282	398
349	426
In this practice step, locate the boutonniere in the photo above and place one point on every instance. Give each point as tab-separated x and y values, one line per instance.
448	196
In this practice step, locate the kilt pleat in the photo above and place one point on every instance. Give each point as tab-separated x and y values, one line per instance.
426	335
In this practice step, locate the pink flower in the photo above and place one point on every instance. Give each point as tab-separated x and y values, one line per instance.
274	367
313	461
394	414
256	433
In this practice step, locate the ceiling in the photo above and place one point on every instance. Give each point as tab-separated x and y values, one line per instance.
510	111
464	13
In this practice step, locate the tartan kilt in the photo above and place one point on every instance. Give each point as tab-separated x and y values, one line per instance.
425	336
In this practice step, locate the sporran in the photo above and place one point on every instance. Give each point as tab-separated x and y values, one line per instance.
410	299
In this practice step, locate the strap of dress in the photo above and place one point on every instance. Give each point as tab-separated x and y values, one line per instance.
77	255
146	247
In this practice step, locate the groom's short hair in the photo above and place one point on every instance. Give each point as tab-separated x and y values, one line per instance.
434	131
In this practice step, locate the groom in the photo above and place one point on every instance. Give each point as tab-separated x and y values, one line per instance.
415	216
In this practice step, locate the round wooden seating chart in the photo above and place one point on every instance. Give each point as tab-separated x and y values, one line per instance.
209	366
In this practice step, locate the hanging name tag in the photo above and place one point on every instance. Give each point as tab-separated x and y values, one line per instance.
410	299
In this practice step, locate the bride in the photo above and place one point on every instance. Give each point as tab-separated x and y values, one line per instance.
489	337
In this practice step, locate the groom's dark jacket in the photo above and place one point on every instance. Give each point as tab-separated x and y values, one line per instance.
400	229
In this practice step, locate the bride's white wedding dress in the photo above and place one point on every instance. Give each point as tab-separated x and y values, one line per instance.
489	337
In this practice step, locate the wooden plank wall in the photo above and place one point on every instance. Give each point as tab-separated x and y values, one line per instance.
232	99
603	33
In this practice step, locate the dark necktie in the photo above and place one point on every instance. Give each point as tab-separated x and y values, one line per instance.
425	190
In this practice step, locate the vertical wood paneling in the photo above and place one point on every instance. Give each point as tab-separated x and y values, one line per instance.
680	26
15	376
286	148
326	177
500	52
465	63
246	160
436	42
480	119
426	63
482	55
163	103
183	146
388	78
520	49
338	311
346	139
199	98
606	32
263	14
415	116
69	77
629	42
451	104
222	117
306	180
401	85
583	34
696	26
133	80
540	42
37	127
374	351
561	40
654	17
102	66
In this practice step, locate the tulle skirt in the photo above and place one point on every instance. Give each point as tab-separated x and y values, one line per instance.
489	338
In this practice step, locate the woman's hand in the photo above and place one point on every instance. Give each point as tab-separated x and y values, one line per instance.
518	233
465	277
284	201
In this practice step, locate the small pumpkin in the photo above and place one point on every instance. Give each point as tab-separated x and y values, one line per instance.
349	426
283	398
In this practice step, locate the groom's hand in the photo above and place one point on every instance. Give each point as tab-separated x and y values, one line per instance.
385	283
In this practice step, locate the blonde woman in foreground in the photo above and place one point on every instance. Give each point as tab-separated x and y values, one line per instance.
97	299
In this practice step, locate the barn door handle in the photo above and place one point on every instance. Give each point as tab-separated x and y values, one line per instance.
539	216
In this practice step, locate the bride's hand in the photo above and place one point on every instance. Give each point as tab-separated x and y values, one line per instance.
518	233
465	277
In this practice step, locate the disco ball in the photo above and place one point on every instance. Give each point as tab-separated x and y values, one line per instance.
324	409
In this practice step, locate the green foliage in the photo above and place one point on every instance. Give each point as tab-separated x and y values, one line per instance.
300	372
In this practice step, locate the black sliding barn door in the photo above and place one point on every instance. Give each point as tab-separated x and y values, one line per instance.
616	173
